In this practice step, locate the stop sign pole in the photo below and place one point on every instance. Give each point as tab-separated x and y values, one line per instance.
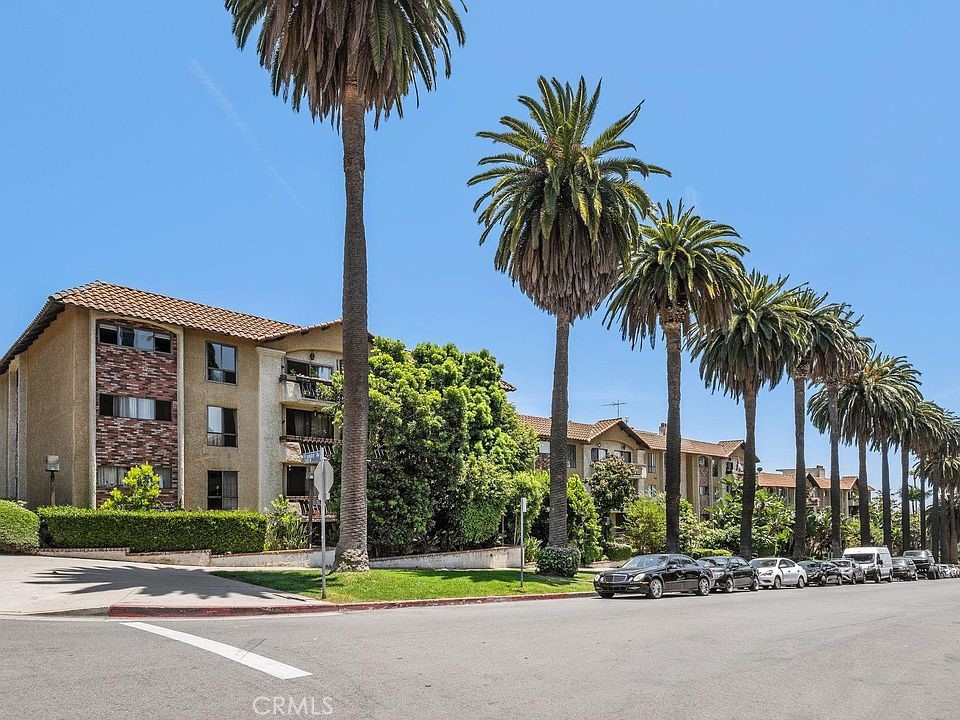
317	460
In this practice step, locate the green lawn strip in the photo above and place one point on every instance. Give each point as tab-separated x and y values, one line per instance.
381	585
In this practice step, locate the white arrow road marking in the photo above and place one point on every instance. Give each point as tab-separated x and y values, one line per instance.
251	660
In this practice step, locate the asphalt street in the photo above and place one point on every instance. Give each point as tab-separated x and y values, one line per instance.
889	651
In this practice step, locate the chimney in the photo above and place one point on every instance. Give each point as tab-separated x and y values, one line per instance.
663	428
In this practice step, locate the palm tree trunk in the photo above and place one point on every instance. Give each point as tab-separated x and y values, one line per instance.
935	522
671	331
885	495
834	413
749	471
952	527
905	535
558	435
923	503
944	526
800	504
351	550
863	489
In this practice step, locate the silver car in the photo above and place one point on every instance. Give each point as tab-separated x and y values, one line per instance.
851	571
777	572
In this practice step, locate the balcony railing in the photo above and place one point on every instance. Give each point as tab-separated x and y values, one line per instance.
299	388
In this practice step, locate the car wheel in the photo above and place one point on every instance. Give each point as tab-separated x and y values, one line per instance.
776	583
879	578
755	585
801	582
605	595
729	586
655	591
703	587
823	581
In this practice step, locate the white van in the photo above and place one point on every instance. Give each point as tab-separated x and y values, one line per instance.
876	562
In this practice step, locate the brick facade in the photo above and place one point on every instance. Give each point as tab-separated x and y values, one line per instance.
124	442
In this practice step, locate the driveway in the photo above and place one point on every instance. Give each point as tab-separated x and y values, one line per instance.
34	584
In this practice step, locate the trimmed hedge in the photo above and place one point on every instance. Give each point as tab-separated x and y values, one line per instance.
18	528
619	551
709	552
562	561
153	531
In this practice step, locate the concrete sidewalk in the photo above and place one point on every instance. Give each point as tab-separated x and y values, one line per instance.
37	585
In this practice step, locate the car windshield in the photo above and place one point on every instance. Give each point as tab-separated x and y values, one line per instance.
808	563
914	553
862	557
899	561
764	562
842	563
646	561
709	562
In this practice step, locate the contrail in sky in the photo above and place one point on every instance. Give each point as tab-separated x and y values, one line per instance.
231	112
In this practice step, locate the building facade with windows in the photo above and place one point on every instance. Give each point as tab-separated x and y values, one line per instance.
783	484
221	403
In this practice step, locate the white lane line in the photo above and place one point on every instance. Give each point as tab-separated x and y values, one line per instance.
251	660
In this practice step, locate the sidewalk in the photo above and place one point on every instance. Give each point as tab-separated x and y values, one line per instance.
37	585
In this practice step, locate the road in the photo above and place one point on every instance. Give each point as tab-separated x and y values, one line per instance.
890	651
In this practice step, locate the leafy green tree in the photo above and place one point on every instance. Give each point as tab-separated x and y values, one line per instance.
140	490
582	521
645	524
486	490
534	485
345	58
751	351
684	268
568	214
771	521
612	485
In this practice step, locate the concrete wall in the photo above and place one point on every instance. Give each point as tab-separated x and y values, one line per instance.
6	487
485	559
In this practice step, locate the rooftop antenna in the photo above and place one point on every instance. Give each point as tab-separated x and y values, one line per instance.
616	404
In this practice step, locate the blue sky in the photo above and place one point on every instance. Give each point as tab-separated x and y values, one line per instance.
140	147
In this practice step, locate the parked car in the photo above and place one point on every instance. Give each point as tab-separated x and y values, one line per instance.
776	572
730	573
822	572
653	575
852	571
875	561
924	561
904	569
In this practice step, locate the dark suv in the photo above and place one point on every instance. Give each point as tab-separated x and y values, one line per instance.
924	561
730	573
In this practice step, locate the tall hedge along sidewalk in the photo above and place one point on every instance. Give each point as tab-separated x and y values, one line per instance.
153	531
18	528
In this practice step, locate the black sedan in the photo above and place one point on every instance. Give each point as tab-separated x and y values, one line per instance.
730	573
653	575
821	572
904	569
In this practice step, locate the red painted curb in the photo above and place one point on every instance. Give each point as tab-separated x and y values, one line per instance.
122	611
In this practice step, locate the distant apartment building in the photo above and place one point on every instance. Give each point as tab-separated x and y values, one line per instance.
783	483
703	465
221	403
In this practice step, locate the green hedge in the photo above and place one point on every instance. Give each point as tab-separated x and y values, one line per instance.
562	561
152	531
709	552
18	528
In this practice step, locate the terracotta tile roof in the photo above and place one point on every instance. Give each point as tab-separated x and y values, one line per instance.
847	482
153	307
724	448
581	432
775	480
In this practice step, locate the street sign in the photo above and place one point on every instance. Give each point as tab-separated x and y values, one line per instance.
313	458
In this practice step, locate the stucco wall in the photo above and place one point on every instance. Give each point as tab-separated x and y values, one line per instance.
6	488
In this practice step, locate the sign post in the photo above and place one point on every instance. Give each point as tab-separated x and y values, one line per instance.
322	467
52	466
523	559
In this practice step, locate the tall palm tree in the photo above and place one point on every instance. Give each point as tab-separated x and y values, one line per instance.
919	432
885	386
344	58
685	268
751	351
569	213
825	343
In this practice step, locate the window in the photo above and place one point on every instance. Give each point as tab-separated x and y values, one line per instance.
307	423
571	456
651	462
110	334
597	454
296	481
729	468
221	427
716	468
624	455
221	363
704	491
109	476
138	408
544	447
222	490
786	563
308	369
166	477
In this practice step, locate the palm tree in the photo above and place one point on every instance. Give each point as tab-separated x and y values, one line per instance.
751	351
942	466
826	341
685	268
569	214
345	58
884	387
920	431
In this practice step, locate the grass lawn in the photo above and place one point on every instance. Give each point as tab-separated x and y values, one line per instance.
410	584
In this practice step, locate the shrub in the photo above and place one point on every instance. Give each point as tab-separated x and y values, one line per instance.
618	551
141	490
19	528
583	523
486	489
709	552
284	529
534	485
562	561
611	486
220	532
645	524
531	549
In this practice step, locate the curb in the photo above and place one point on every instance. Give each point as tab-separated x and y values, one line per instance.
126	612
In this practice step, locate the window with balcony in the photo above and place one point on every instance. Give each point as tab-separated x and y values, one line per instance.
598	454
309	369
307	423
221	427
111	334
137	408
651	462
296	481
222	490
221	363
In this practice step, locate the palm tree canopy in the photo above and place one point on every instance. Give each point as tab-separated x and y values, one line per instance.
871	401
828	345
924	429
567	209
315	48
683	266
758	341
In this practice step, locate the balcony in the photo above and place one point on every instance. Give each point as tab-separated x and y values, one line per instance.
637	470
292	447
306	390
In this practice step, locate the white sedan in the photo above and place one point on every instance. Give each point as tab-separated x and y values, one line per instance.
779	572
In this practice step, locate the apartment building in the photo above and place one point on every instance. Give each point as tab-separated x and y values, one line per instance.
783	483
221	403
